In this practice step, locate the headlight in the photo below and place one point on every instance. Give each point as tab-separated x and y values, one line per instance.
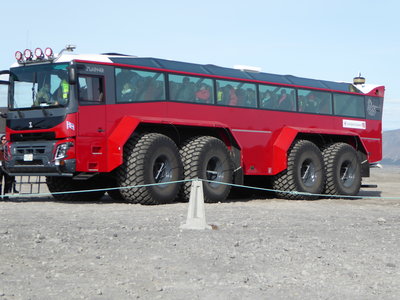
61	151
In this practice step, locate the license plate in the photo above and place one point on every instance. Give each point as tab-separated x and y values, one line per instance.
28	157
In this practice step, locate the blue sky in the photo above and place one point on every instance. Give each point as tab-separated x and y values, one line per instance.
331	40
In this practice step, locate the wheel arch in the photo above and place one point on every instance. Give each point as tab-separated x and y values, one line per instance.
129	126
288	135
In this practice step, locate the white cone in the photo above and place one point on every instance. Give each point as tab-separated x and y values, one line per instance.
196	218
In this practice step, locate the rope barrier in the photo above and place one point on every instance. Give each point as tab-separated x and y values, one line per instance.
203	180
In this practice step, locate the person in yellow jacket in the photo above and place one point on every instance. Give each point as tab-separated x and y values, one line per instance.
63	92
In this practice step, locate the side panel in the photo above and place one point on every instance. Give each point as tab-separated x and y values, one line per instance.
116	140
280	148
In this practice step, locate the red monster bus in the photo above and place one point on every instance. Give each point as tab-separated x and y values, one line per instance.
116	121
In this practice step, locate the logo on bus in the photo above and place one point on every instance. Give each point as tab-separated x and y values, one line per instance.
371	108
70	125
94	69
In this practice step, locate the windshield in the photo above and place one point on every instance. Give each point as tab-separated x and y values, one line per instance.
39	86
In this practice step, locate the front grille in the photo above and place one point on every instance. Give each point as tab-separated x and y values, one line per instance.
21	150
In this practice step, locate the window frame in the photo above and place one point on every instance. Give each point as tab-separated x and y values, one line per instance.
362	100
243	82
101	101
211	84
315	91
165	88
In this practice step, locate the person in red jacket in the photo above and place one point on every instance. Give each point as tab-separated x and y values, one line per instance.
203	94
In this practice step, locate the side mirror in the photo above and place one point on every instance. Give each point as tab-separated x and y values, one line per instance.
72	74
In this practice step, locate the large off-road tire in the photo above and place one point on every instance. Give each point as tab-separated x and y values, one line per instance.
304	173
150	158
343	170
115	195
66	184
207	157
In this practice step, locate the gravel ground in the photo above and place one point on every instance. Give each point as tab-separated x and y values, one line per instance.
258	249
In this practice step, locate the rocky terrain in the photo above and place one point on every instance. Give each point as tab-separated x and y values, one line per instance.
259	248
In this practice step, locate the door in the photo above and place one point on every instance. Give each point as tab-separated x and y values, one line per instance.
92	118
91	138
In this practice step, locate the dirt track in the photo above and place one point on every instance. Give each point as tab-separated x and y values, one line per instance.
260	249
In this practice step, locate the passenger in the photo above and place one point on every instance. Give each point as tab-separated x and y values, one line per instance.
43	95
186	91
311	103
220	94
123	77
267	101
62	92
284	102
233	99
9	181
251	98
128	92
203	94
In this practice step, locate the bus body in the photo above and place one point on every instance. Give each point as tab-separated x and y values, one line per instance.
110	121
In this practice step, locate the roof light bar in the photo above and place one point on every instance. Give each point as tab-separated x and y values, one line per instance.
48	52
28	54
19	56
39	53
28	57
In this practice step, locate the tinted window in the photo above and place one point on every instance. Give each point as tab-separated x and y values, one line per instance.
314	101
91	88
190	89
134	85
279	98
236	93
349	105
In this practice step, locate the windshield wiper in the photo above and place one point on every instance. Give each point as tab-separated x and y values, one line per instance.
20	113
45	112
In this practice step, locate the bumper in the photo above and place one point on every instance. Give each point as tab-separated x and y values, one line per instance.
37	158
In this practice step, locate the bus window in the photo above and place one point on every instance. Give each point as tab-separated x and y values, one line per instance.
268	98
134	85
236	93
190	89
316	102
278	98
286	99
90	88
349	105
